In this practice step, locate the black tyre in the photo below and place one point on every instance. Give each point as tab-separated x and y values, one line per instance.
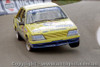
74	45
18	36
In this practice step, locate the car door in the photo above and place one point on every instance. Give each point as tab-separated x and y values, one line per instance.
21	22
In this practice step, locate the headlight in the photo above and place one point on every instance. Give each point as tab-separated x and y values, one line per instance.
73	32
38	37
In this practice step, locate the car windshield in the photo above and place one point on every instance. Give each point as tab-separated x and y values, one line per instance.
45	14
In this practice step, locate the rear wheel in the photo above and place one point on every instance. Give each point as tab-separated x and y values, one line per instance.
74	45
18	36
28	46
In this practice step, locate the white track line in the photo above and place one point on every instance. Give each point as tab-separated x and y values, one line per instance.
98	35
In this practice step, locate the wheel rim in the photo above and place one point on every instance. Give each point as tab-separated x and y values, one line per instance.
17	35
28	46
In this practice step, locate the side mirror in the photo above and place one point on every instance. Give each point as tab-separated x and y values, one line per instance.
21	23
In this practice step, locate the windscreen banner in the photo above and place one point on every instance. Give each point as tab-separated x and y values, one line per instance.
12	6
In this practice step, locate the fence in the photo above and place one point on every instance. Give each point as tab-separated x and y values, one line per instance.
12	6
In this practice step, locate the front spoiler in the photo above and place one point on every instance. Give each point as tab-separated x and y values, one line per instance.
55	43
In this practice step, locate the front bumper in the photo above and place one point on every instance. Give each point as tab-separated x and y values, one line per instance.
55	43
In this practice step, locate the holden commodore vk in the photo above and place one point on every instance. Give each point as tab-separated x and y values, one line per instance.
45	25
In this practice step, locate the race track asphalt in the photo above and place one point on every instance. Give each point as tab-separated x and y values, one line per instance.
85	14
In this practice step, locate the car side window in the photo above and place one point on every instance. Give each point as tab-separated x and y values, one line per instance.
23	16
19	15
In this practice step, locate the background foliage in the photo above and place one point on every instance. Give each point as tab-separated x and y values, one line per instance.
63	2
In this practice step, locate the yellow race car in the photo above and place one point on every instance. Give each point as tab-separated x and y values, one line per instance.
45	25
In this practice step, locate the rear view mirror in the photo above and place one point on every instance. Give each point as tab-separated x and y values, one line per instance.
21	23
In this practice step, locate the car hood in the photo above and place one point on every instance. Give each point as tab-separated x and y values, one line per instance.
48	26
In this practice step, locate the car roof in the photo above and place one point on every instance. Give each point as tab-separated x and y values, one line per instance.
39	5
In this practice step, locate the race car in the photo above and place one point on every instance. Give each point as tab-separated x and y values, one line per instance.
45	25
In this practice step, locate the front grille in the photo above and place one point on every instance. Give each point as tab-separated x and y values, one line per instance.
55	35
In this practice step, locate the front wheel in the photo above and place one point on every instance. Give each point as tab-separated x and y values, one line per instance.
74	45
28	46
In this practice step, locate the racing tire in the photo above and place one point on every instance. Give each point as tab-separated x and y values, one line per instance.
18	36
74	45
28	46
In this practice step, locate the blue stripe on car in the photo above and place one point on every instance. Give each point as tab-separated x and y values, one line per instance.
55	43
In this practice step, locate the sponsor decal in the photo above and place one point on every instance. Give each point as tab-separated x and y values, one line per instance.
48	24
7	1
42	10
69	25
53	28
59	24
9	6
